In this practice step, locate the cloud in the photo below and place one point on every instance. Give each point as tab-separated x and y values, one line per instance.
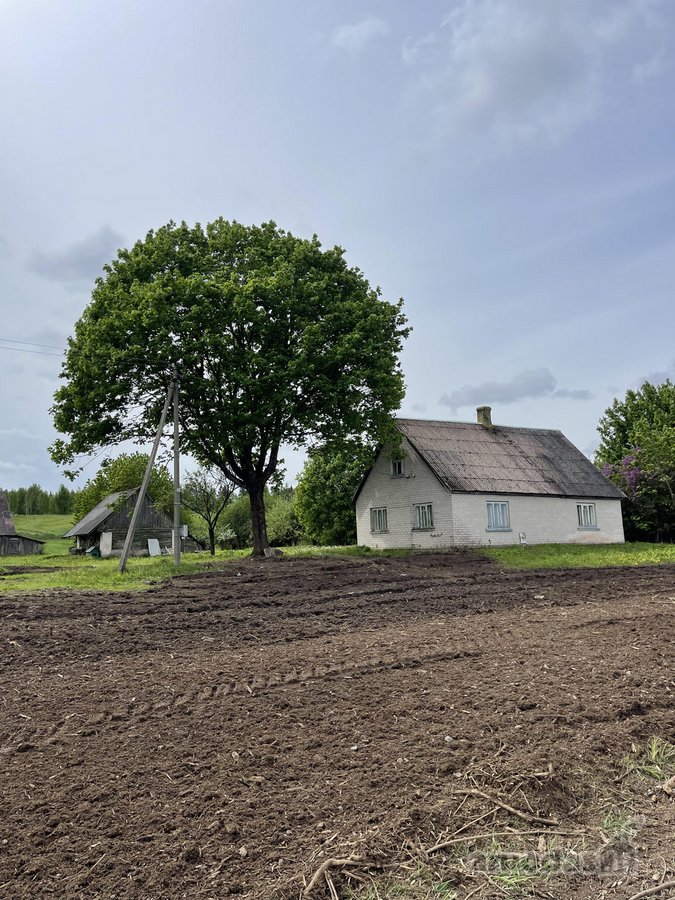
20	433
565	394
81	262
515	70
14	467
355	38
530	384
660	376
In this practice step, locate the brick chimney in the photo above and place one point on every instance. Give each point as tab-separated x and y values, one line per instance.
484	416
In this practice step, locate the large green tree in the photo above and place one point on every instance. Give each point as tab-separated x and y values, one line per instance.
325	492
637	451
275	340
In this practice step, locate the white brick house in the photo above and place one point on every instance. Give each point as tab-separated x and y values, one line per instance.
463	484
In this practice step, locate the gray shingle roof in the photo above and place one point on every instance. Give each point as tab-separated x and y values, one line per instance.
98	514
471	458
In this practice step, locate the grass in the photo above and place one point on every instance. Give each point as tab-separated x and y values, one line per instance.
656	760
420	884
619	824
85	573
575	556
43	528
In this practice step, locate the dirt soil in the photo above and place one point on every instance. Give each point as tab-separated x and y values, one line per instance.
227	733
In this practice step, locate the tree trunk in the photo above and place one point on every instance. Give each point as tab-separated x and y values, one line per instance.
212	539
256	495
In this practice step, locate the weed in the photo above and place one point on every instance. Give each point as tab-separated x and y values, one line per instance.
619	824
421	884
657	760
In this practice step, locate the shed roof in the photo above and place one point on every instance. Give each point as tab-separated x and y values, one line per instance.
473	458
99	513
6	521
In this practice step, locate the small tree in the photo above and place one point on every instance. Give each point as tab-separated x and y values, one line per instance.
325	492
236	521
207	492
123	474
637	451
283	526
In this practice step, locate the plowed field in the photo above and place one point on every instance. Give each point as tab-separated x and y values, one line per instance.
227	733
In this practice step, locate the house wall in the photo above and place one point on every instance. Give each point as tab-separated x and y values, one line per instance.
543	520
399	494
461	519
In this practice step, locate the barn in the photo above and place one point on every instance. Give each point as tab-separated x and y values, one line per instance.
11	543
479	484
105	526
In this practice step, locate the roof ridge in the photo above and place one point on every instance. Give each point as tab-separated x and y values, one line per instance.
478	425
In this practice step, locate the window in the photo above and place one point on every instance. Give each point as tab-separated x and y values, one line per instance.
423	515
586	515
378	519
397	468
498	516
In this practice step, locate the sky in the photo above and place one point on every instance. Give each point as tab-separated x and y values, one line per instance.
505	166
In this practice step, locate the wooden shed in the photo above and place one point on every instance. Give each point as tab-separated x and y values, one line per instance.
11	543
105	526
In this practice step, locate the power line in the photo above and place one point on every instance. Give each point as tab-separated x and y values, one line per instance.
39	352
30	344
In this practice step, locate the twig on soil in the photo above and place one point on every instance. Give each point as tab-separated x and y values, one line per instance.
331	886
477	819
648	892
468	839
668	786
474	891
526	817
323	871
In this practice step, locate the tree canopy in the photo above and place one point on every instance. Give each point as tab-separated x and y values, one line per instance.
122	474
637	451
275	340
325	491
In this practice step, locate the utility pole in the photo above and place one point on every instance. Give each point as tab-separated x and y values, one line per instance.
176	473
146	479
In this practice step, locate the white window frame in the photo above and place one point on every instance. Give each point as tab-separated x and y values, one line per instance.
586	517
378	520
423	516
498	515
397	468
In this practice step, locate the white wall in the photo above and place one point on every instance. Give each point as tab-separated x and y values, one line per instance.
418	485
543	520
461	519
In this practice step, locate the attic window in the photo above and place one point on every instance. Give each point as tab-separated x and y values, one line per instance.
498	518
397	468
586	515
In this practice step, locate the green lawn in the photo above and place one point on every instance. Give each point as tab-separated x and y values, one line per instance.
43	528
575	556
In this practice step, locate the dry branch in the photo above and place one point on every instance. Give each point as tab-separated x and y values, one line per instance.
468	839
526	817
323	870
648	892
